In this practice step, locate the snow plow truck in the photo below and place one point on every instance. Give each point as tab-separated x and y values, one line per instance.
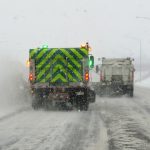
116	77
60	77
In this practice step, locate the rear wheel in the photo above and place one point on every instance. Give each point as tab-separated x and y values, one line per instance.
36	102
35	105
131	93
91	96
84	105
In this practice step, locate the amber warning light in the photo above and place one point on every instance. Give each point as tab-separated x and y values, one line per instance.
87	76
31	77
27	63
86	46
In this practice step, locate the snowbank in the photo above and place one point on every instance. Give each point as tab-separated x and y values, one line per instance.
144	83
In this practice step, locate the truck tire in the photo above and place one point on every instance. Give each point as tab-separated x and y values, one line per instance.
131	93
36	102
91	96
86	106
35	105
94	99
46	104
101	92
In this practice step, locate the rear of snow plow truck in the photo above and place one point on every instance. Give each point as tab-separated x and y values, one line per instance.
60	77
116	77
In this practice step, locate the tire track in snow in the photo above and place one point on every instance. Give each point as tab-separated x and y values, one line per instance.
126	124
85	135
78	134
37	130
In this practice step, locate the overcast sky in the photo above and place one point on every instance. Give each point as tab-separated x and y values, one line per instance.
110	26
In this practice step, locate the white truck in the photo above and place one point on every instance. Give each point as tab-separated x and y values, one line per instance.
116	76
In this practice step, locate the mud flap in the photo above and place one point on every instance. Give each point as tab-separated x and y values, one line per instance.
83	102
91	96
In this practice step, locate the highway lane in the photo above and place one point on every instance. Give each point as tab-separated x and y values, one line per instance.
118	123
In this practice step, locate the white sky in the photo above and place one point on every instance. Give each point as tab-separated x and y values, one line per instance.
110	26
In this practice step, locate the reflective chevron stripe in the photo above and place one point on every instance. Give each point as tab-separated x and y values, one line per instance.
49	60
47	67
46	59
33	53
58	65
82	51
70	57
58	77
75	53
42	52
73	75
54	61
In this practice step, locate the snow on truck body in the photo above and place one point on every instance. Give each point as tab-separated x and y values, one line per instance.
118	67
116	76
60	75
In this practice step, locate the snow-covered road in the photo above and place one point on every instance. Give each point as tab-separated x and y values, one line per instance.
46	130
127	121
119	123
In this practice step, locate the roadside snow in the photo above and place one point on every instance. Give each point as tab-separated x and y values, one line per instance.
127	121
13	87
144	83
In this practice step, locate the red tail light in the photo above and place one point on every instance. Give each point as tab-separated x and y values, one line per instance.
86	76
31	77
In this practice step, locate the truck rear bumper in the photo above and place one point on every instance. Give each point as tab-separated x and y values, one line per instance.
61	94
59	97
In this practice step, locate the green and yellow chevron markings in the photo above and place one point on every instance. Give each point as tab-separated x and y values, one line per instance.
85	51
39	74
82	51
47	67
59	76
57	71
42	52
60	67
43	80
44	61
47	78
75	53
75	74
70	57
57	67
33	53
59	58
72	76
49	62
72	70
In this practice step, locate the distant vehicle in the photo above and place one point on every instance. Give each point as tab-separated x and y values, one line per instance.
116	76
60	77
